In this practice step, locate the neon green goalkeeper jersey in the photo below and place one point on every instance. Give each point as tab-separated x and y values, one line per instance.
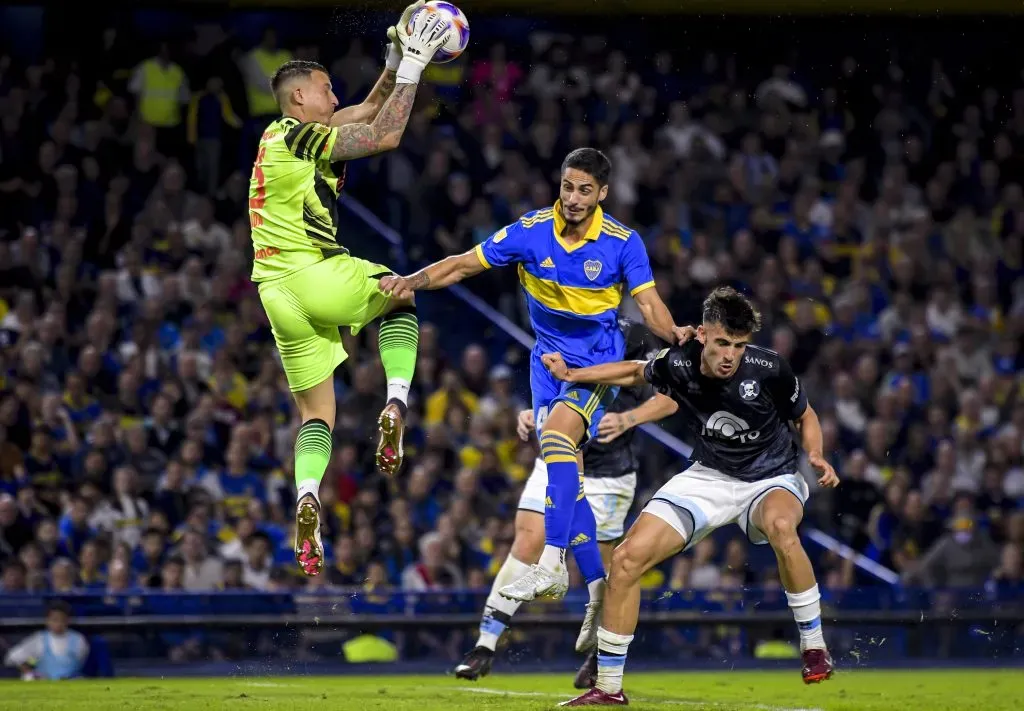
293	198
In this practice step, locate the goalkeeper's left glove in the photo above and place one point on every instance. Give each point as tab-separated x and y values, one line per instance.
394	53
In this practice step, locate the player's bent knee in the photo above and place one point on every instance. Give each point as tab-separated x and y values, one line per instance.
317	403
527	545
629	563
781	531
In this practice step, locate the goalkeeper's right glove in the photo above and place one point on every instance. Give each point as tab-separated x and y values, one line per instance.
429	31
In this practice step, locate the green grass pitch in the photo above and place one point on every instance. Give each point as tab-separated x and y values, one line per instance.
850	690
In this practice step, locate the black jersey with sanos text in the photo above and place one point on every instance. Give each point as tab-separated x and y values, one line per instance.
620	456
741	422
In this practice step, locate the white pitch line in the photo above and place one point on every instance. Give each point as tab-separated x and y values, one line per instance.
640	699
500	692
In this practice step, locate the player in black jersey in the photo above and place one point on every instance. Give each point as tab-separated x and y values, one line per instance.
739	400
610	472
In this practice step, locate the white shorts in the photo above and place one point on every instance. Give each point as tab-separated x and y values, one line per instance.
713	499
609	499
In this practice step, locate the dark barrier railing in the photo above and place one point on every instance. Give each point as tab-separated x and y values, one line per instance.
359	609
135	631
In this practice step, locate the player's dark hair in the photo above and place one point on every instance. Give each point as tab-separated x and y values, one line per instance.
290	70
591	161
732	310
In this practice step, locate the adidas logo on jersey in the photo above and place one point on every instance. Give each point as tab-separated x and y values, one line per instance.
580	540
548	503
547	263
573	395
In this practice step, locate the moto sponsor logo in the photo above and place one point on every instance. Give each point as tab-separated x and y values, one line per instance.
727	426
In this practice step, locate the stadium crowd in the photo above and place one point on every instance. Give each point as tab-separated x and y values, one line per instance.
145	425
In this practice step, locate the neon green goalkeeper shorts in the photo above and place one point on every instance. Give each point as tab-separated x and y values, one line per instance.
307	308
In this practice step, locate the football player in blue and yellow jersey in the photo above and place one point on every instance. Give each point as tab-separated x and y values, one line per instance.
574	262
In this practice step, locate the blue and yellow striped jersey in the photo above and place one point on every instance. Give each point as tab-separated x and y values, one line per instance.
573	290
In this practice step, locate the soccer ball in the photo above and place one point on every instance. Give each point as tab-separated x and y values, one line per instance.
460	30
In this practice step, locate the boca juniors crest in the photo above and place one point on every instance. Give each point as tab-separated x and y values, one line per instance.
592	268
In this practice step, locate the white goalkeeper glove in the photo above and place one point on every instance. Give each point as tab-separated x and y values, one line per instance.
429	31
394	54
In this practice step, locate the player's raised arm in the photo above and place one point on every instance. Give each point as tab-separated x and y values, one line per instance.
627	373
366	111
640	280
369	109
656	408
384	132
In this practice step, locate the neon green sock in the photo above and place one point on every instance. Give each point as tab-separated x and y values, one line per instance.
398	340
312	455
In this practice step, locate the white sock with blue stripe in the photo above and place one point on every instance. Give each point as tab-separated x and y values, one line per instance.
611	659
806	607
499	610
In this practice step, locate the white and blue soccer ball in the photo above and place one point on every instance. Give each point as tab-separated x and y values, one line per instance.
460	30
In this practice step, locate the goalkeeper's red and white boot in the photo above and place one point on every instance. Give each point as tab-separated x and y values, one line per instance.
309	548
596	697
390	453
817	666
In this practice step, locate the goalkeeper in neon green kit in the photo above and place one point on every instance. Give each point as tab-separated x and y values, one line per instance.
308	282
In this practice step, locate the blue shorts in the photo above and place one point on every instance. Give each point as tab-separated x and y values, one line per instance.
590	401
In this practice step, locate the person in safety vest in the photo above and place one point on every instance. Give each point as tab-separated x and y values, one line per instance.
161	89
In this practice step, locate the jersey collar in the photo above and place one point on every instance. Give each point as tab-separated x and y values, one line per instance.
593	232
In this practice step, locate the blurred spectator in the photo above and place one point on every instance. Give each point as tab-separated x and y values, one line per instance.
964	557
201	571
210	116
161	88
704	574
433	570
257	67
256	566
55	653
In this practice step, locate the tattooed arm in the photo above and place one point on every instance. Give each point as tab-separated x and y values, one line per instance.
448	271
371	106
358	140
